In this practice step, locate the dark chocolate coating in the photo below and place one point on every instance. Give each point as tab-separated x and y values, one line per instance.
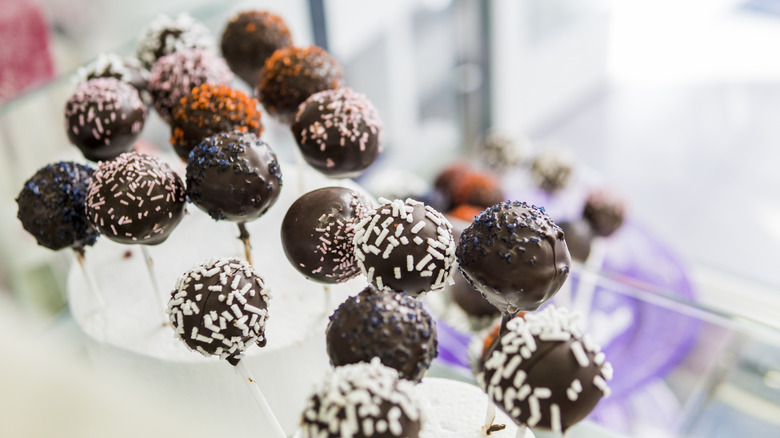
51	206
103	118
293	74
338	132
128	70
557	389
515	255
390	325
211	109
469	299
405	246
233	176
135	198
166	35
364	400
579	237
219	307
605	211
317	233
250	38
174	76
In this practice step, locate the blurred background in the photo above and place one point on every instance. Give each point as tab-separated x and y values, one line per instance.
671	103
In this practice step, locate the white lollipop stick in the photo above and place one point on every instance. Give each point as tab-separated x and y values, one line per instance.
563	297
90	279
521	429
155	286
301	167
490	416
244	236
276	428
328	298
586	288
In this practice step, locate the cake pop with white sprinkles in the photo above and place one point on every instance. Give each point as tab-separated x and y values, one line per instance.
111	65
51	206
220	308
392	326
363	400
103	118
166	35
318	230
544	373
515	255
135	198
405	246
338	132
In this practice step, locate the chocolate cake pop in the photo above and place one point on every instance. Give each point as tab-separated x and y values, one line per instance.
110	65
51	206
317	233
476	188
293	74
233	176
544	373
405	246
338	132
515	255
166	35
174	76
500	152
579	237
552	170
103	118
471	300
364	400
211	109
135	198
389	325
604	211
220	308
250	38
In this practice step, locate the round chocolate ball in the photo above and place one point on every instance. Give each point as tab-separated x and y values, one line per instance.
51	206
103	118
166	35
211	109
544	373
578	237
405	246
469	299
389	325
174	76
476	188
135	198
552	170
233	176
500	152
128	70
515	255
318	232
363	400
219	308
293	74
338	132
604	211
250	38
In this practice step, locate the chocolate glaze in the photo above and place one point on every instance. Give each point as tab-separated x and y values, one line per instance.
338	132
469	299
174	76
166	35
317	233
128	70
390	325
211	109
551	382
515	255
604	211
364	400
405	246
293	74
579	237
220	308
51	206
135	198
103	118
250	38
233	176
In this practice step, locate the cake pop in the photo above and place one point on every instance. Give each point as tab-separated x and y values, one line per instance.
544	373
363	400
515	255
293	74
103	118
405	246
111	65
211	109
174	76
166	35
604	211
338	132
552	170
389	325
250	38
318	231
